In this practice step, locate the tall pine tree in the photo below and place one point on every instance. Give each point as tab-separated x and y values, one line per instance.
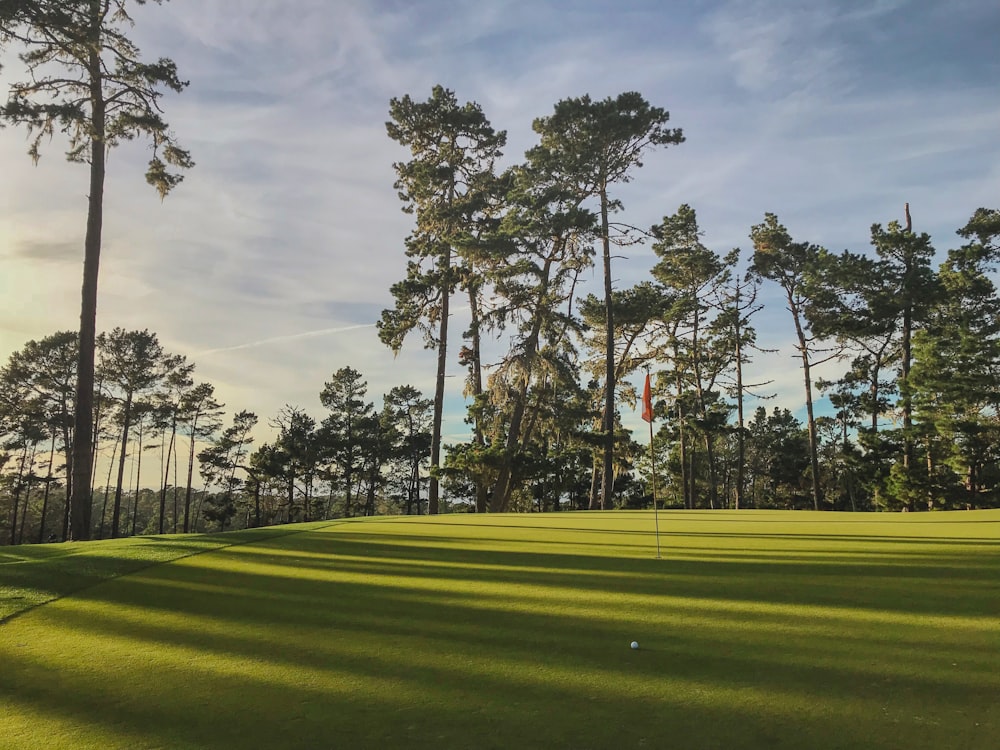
453	150
85	79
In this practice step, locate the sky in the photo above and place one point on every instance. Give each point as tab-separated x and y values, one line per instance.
269	265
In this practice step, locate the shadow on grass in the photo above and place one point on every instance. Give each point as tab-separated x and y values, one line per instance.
928	579
354	639
32	575
842	526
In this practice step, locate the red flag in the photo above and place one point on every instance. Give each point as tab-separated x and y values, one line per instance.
647	402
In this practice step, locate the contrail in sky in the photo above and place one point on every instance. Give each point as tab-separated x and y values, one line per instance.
280	339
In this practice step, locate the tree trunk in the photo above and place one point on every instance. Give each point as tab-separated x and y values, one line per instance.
138	478
372	484
686	496
235	466
27	499
116	512
357	494
740	437
904	387
48	486
98	423
533	410
500	500
328	511
442	362
256	502
81	499
67	490
713	479
27	491
176	513
817	491
713	490
413	483
17	494
413	490
608	426
906	361
166	477
876	448
107	488
190	475
201	503
306	496
348	483
595	480
930	473
482	491
692	477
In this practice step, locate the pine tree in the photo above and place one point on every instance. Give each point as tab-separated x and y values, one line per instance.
955	383
131	365
906	265
692	275
534	287
453	149
793	266
591	146
85	80
344	397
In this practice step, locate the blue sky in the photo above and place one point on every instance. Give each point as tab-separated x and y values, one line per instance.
271	262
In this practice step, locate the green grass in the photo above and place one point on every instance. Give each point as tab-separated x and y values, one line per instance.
33	575
757	630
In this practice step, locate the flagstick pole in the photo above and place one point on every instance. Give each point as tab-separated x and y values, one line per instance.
652	464
656	513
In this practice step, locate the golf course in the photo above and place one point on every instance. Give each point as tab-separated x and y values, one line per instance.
755	629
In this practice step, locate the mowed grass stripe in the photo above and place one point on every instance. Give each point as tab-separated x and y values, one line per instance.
32	575
757	630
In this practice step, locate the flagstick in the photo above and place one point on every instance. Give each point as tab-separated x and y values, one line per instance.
656	515
647	414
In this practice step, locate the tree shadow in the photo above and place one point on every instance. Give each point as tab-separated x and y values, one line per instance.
354	638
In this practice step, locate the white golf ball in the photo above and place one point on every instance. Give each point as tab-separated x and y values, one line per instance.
635	644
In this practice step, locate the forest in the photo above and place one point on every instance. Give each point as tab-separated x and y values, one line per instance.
915	330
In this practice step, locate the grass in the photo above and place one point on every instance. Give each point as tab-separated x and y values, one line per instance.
757	630
33	575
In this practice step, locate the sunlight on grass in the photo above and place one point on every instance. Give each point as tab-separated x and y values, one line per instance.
757	631
32	575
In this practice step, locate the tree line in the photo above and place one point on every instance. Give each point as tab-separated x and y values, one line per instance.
916	412
150	410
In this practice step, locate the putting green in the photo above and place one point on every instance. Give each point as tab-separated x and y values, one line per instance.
756	630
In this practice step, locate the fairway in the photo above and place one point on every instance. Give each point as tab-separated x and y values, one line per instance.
756	630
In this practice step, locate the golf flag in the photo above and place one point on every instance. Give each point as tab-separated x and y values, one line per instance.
647	402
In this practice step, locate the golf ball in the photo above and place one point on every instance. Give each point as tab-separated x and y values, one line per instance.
635	644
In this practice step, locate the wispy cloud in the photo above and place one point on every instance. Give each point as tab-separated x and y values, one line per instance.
785	49
282	339
39	250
